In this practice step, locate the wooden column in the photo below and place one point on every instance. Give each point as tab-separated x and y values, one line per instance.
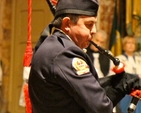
5	37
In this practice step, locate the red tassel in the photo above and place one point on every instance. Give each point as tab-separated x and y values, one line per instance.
27	99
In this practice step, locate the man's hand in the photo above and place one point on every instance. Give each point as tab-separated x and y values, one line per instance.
128	82
117	86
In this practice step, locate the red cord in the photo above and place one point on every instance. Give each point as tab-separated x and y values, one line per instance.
28	57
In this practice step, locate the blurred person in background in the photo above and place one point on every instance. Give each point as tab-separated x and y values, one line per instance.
132	65
102	64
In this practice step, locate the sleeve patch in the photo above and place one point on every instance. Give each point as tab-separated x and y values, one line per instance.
80	66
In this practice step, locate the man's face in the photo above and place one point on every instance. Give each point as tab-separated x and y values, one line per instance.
81	32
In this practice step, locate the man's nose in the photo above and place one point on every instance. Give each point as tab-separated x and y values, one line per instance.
93	30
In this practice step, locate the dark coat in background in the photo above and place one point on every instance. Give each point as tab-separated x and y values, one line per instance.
103	60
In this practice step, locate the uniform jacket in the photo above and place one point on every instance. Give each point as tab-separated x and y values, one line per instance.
63	80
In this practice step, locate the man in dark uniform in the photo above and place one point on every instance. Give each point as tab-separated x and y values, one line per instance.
62	77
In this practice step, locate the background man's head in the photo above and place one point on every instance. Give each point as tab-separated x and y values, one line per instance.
100	38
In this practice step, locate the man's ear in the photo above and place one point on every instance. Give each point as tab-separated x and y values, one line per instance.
66	23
